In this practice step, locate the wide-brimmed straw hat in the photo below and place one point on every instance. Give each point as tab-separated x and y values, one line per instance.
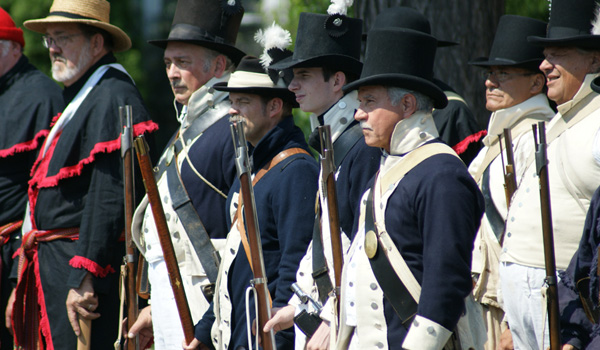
400	57
250	77
95	13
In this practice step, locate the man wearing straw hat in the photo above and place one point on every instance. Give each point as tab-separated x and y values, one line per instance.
408	270
284	197
29	100
72	242
196	169
515	92
572	60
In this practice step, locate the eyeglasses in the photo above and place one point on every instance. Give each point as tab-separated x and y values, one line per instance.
59	41
502	76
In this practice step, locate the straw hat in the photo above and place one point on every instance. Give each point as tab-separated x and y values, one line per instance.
95	13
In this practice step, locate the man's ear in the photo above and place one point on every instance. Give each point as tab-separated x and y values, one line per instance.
274	107
97	44
409	105
219	64
339	80
537	83
595	66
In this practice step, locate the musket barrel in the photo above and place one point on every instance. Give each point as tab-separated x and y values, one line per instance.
165	238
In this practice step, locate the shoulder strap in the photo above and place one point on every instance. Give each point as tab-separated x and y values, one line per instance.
345	142
239	222
399	285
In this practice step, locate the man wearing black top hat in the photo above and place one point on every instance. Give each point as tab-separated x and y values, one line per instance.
571	62
326	58
284	198
455	123
408	270
515	95
72	243
197	167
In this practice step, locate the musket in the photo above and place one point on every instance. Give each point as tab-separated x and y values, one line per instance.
259	283
164	237
510	176
330	195
129	192
541	163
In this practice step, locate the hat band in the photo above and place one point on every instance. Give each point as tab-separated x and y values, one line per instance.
190	32
70	15
241	79
565	32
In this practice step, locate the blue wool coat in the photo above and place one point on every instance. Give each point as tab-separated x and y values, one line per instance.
285	200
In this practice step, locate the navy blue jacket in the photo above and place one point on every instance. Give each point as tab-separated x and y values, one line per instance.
432	218
576	329
285	202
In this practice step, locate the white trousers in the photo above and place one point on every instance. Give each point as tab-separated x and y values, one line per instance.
524	307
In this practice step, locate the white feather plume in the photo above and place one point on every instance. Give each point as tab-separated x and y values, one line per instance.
596	22
339	7
272	37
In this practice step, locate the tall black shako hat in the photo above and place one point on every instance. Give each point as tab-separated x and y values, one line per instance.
250	77
213	24
510	46
403	58
571	24
405	17
326	41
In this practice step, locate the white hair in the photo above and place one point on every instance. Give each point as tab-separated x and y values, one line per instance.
424	103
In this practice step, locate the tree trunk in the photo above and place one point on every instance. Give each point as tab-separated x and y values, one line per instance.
471	23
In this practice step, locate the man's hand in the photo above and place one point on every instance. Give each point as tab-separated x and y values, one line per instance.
142	327
506	342
283	318
9	310
320	340
82	302
566	347
195	344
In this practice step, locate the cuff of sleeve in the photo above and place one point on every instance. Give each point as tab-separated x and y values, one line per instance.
426	334
79	262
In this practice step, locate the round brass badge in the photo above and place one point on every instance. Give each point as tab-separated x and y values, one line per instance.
370	243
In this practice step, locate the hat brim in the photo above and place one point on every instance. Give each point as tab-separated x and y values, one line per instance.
234	54
591	42
404	81
337	62
440	43
121	41
282	93
596	85
487	62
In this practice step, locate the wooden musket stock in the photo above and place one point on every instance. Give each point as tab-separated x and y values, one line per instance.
328	183
253	232
126	150
164	236
541	162
510	177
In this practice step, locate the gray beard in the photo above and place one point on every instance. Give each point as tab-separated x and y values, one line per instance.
69	73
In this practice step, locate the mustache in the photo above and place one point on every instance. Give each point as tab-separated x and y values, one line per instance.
364	125
177	84
56	57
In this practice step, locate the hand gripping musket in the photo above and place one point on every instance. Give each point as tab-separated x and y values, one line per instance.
164	236
259	283
510	176
128	183
329	192
541	162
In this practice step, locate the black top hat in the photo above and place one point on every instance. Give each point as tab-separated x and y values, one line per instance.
403	58
213	24
510	46
326	41
405	17
250	78
570	25
596	85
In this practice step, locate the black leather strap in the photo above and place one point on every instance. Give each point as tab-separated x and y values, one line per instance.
345	142
394	290
491	212
320	270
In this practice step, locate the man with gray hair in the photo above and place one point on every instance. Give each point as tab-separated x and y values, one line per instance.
571	62
196	170
29	100
420	215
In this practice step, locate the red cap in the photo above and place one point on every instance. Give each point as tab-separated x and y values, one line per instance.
8	30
